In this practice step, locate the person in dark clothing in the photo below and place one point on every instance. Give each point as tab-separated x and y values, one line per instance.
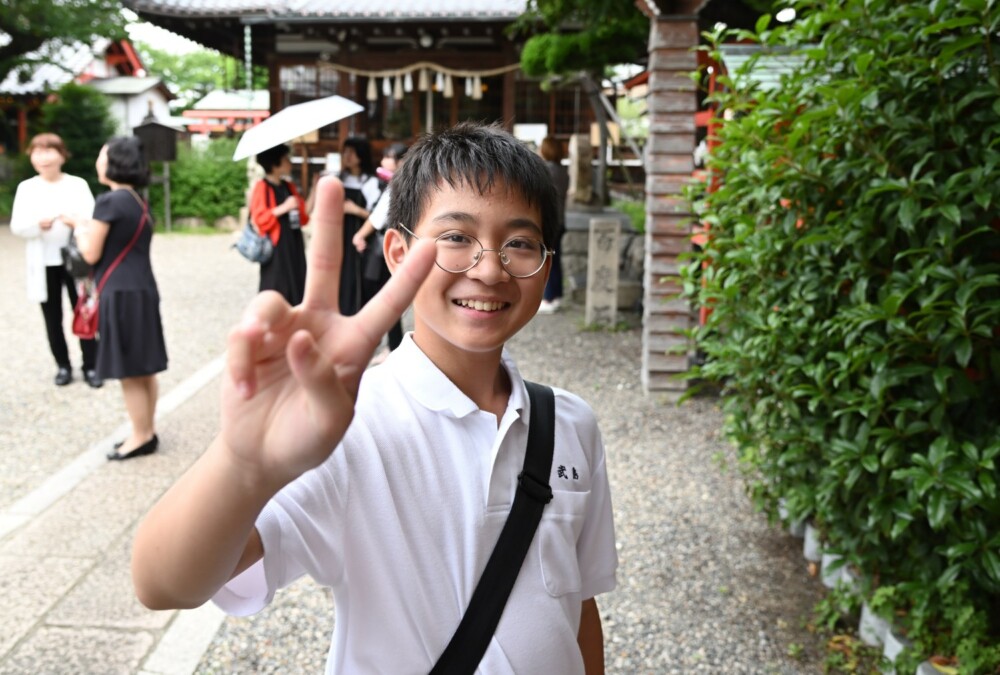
116	241
279	212
361	191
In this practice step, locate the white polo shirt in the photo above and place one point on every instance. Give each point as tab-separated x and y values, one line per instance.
402	518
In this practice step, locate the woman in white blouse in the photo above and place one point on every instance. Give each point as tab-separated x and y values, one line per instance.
41	204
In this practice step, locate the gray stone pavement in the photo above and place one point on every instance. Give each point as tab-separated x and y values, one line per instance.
705	584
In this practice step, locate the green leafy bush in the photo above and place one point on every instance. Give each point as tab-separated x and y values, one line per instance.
81	117
204	183
853	271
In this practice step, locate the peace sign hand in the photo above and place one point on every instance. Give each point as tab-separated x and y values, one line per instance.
292	373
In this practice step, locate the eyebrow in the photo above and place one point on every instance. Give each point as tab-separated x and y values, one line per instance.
469	219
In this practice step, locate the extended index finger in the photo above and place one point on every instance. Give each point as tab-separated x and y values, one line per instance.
381	312
326	248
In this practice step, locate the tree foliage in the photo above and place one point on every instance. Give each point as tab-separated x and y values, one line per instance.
42	26
853	271
80	115
581	35
192	75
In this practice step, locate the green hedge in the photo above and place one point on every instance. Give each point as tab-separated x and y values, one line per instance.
854	276
204	183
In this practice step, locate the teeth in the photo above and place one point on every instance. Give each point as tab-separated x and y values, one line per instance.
481	306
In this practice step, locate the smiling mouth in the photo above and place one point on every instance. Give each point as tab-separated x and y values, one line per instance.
482	306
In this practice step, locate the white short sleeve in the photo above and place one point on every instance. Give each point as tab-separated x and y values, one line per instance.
381	212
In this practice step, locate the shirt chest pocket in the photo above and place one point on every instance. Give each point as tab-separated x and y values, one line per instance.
561	524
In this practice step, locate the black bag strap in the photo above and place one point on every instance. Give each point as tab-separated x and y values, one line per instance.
469	643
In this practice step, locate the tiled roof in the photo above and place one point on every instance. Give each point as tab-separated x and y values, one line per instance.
357	10
46	77
259	99
125	85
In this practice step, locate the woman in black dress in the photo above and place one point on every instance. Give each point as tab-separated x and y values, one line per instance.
116	240
279	212
361	191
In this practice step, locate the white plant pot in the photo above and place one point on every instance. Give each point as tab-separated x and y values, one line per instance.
795	528
849	581
872	628
893	646
829	576
811	548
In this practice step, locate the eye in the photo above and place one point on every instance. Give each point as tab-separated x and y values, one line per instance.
523	245
456	239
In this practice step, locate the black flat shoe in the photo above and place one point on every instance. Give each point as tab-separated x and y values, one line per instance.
147	448
63	376
93	379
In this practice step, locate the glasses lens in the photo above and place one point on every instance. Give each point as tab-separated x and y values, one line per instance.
522	257
457	252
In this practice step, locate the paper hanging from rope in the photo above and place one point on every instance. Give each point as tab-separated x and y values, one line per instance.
408	83
372	93
423	84
449	90
439	81
477	88
387	86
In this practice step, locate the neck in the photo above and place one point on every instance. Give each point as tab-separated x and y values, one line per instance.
274	178
478	375
51	176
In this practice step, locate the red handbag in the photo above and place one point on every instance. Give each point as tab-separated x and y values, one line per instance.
88	300
85	312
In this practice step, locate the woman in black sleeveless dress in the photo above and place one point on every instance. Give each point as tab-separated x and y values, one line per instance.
361	191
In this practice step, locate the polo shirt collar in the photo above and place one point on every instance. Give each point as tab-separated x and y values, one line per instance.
426	384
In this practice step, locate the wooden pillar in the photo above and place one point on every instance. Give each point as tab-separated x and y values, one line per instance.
509	95
669	162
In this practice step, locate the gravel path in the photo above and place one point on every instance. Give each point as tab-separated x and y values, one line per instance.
203	288
705	585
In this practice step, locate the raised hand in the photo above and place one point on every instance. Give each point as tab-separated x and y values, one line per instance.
292	373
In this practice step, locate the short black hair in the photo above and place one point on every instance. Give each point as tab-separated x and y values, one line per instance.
127	161
363	149
478	156
272	157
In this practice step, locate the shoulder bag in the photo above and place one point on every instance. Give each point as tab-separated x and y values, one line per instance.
252	245
469	643
88	301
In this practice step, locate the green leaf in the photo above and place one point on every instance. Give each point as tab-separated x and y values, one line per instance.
870	462
991	563
862	61
950	24
941	375
762	23
963	486
963	351
939	507
938	451
952	213
909	208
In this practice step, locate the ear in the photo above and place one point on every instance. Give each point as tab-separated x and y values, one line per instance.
394	247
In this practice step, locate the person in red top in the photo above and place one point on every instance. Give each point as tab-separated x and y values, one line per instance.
278	211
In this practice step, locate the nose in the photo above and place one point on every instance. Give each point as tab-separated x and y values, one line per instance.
489	268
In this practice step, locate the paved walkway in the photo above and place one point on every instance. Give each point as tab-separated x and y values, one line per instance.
705	584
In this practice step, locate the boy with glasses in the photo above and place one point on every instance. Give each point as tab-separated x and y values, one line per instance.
393	488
